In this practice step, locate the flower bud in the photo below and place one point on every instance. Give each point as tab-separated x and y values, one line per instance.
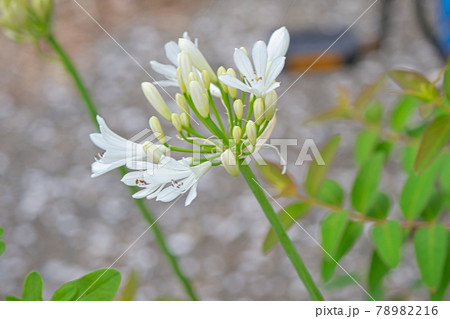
176	121
270	100
182	103
155	99
192	77
185	66
206	80
185	120
180	81
155	125
229	162
199	98
258	111
238	107
197	58
237	134
232	90
221	71
250	130
152	151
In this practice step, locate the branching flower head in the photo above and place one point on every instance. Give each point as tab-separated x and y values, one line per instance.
232	135
26	20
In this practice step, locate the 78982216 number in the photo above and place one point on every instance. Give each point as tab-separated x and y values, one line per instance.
407	310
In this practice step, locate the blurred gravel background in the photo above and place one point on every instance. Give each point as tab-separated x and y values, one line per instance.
60	222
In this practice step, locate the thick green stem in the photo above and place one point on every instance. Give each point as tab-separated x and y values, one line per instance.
283	237
144	210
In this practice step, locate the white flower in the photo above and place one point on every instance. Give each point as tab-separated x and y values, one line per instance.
169	70
118	151
167	180
259	78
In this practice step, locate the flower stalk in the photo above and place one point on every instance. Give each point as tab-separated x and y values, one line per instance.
144	210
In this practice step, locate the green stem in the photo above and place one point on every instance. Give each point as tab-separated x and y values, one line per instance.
279	230
145	212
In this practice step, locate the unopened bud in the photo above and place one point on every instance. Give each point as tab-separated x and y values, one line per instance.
152	151
180	81
229	162
155	125
192	77
185	120
185	66
199	98
182	103
238	107
237	134
205	79
198	60
250	130
176	121
258	111
232	90
270	100
221	71
155	99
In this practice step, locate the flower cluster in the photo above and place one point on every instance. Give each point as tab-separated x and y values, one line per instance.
247	96
26	20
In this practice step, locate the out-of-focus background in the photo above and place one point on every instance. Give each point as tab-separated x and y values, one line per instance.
59	221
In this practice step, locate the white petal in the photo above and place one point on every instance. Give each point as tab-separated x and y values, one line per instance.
167	194
243	64
99	168
130	178
98	140
278	43
166	83
274	70
272	87
142	193
233	82
214	90
191	195
172	51
165	69
259	53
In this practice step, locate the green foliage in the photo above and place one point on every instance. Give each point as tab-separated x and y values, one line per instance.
272	173
433	140
365	144
99	285
287	216
2	243
430	245
415	84
387	239
439	293
316	173
377	271
130	287
402	113
366	183
331	193
32	287
380	206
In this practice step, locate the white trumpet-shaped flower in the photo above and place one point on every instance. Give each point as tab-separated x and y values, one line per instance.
118	151
167	180
259	77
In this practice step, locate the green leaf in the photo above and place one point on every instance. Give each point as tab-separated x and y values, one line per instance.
374	113
430	245
331	193
1	231
435	137
384	147
402	112
445	280
387	239
32	287
368	93
99	285
446	82
444	177
415	84
366	183
351	234
316	173
408	156
286	216
342	281
272	173
365	144
377	272
332	229
12	298
416	193
380	206
433	207
2	247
